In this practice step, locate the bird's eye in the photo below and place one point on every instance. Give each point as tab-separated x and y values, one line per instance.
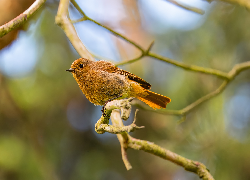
81	65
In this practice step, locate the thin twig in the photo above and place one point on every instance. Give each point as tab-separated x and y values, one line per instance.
236	70
21	19
187	7
195	68
109	29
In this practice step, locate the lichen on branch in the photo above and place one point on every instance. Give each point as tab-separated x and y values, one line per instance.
124	106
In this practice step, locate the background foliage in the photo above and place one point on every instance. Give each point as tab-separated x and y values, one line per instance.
47	125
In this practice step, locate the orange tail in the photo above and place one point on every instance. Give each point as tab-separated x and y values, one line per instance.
154	100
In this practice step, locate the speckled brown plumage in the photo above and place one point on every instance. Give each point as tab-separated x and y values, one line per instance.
102	81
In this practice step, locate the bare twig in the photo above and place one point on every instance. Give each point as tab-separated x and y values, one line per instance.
21	19
63	21
188	67
85	17
187	7
238	68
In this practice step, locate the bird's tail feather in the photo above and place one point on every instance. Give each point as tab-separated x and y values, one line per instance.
154	100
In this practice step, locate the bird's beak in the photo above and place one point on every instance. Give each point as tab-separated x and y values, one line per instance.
70	70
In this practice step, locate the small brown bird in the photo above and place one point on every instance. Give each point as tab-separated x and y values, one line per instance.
101	81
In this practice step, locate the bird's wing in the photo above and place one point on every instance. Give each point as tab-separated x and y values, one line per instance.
111	68
135	78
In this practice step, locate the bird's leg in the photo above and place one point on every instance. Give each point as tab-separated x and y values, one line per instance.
103	107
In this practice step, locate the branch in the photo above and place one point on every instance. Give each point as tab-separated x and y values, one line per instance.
102	125
187	7
21	19
123	138
236	70
127	141
63	21
194	68
189	165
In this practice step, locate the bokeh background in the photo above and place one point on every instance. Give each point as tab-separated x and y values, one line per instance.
47	124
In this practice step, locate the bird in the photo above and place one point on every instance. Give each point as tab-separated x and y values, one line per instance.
101	81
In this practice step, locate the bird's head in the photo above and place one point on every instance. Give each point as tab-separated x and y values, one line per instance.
79	66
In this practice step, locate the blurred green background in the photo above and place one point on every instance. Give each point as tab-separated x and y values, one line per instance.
47	124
